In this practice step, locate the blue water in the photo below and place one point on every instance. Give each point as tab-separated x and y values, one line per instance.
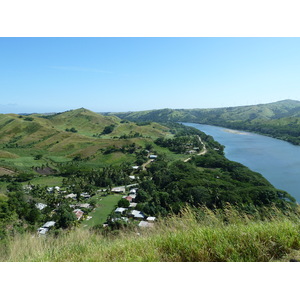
276	160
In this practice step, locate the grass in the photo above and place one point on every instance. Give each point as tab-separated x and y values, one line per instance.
191	237
105	205
47	181
3	186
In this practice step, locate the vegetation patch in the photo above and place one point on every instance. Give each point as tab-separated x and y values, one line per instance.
206	236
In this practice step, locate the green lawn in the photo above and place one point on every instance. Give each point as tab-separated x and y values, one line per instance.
47	180
3	187
105	206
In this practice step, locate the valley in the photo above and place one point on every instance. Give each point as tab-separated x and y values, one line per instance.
80	170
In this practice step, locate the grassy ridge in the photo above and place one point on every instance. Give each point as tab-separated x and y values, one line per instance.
24	137
280	119
223	236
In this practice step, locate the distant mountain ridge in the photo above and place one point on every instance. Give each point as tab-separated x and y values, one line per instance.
274	110
279	119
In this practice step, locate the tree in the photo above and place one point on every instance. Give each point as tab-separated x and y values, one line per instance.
123	203
64	216
108	129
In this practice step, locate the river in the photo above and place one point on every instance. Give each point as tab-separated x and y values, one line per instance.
278	161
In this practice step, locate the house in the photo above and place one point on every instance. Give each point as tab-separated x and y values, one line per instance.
145	224
49	224
133	191
133	196
85	195
137	214
132	204
191	151
49	189
79	213
73	196
40	206
118	189
43	231
119	219
151	219
152	156
45	228
84	205
120	210
132	177
27	187
128	198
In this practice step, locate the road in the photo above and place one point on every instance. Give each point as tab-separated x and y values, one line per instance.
202	152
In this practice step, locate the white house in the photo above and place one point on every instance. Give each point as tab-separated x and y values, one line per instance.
145	224
49	224
40	206
120	210
45	228
118	189
73	196
137	214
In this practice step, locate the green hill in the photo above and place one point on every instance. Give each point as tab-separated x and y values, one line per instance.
85	153
279	119
58	138
85	121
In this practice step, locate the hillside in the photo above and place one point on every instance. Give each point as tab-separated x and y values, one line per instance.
279	119
64	170
215	237
60	137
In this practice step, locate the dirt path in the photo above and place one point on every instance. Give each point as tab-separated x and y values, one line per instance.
202	152
146	164
4	171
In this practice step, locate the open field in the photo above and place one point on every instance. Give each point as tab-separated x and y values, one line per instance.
104	207
47	181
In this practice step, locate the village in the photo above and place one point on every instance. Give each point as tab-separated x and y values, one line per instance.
125	215
121	215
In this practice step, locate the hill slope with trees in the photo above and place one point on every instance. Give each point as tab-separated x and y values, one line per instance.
279	119
50	165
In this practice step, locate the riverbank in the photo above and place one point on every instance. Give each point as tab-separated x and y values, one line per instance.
278	161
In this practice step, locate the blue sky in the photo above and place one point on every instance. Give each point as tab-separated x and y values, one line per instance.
129	74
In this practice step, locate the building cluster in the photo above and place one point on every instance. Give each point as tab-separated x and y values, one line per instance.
125	214
76	207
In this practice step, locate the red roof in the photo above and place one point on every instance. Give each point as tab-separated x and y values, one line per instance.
79	213
129	198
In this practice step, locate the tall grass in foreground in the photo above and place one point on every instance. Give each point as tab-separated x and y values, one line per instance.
208	236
